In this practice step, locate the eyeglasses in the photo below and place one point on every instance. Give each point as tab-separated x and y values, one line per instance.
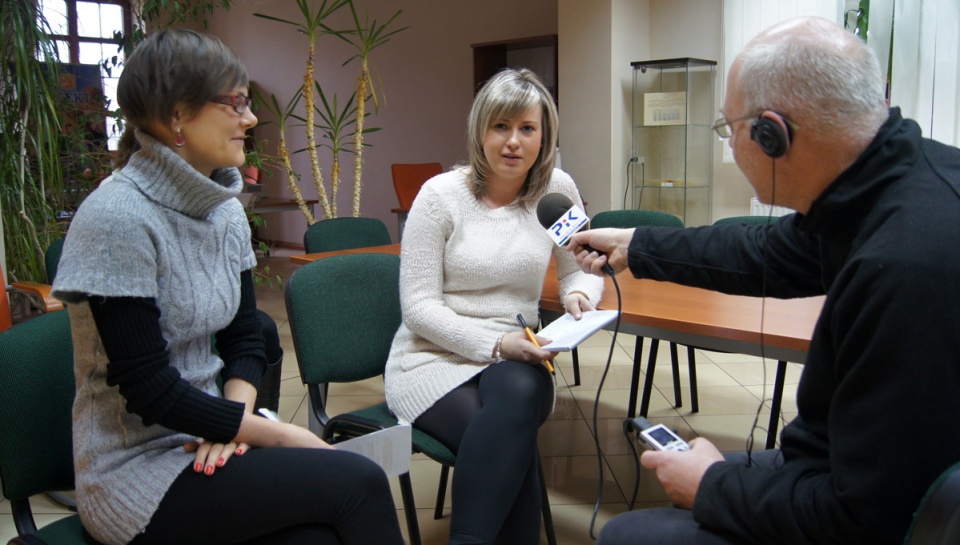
239	103
722	125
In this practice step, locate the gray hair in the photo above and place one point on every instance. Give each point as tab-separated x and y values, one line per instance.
508	94
817	72
173	66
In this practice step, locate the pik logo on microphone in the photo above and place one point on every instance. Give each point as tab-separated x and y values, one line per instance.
567	224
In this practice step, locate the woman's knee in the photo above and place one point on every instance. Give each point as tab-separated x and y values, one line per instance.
518	381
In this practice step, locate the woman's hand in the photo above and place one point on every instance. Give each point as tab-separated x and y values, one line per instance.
516	346
260	432
210	456
576	303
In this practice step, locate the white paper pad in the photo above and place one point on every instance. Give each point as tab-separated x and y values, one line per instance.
566	333
390	448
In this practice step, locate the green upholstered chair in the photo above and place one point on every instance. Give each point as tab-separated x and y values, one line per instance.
344	312
51	258
345	233
36	415
626	219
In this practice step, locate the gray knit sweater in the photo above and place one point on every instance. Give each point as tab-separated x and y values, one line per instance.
157	228
466	272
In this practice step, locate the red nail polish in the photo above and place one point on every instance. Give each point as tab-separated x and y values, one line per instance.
239	452
209	470
198	467
220	461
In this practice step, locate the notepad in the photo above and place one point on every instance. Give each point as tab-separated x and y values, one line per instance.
565	333
390	448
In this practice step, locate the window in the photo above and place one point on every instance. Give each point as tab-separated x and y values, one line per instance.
86	32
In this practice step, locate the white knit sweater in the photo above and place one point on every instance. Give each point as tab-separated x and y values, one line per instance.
466	271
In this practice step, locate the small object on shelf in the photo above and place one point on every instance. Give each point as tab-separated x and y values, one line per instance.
673	112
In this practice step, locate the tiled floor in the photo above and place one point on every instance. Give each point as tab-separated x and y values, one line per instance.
730	385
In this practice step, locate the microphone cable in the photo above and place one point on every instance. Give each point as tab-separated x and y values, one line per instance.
628	181
596	404
763	311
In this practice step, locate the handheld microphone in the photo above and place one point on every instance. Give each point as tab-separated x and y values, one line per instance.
561	218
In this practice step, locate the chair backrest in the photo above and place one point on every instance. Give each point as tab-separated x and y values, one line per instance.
51	258
36	402
344	312
408	177
634	218
345	233
937	519
746	220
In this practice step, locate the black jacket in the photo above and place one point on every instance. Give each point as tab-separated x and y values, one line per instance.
879	398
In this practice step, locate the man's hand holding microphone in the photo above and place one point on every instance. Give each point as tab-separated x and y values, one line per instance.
598	247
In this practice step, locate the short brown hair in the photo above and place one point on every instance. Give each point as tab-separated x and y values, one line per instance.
170	67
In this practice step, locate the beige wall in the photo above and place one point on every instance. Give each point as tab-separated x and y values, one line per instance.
427	75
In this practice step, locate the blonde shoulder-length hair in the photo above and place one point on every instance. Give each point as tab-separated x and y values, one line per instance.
508	94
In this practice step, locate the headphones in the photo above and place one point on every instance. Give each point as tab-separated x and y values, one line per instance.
772	133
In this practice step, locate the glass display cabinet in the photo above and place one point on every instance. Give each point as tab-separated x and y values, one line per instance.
673	111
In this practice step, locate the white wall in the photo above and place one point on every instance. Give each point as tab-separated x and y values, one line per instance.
584	82
427	75
693	28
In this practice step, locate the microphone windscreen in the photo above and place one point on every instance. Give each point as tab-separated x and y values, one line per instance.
551	207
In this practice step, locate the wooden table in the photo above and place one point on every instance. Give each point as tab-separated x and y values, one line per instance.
690	316
268	205
303	259
704	319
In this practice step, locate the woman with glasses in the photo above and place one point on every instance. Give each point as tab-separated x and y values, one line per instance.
157	270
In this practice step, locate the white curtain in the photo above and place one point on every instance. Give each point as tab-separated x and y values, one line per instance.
744	19
926	77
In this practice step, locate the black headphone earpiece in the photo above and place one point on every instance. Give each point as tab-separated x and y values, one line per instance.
771	132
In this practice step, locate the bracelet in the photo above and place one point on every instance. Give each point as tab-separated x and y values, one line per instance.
585	296
496	349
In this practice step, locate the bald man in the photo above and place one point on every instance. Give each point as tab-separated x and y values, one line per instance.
877	230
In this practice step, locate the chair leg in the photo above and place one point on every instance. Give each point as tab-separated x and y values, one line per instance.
692	364
775	405
675	364
648	380
63	500
441	492
576	366
410	509
635	378
545	506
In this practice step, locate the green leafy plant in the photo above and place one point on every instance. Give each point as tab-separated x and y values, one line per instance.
365	37
335	121
34	142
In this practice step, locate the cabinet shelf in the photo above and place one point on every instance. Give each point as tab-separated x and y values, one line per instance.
673	140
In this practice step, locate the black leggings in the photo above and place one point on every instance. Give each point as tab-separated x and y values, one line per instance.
278	496
491	424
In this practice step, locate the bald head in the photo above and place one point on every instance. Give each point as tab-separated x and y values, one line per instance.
815	73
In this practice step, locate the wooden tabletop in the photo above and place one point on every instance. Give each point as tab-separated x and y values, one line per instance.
709	319
686	315
302	259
